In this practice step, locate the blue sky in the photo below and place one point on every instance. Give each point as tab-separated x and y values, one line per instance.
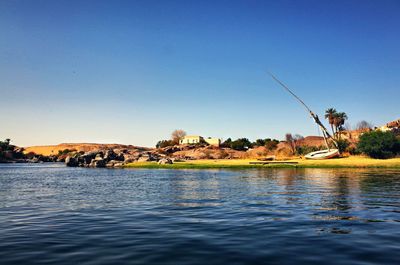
133	71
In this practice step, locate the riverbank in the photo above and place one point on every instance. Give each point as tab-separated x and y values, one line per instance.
347	162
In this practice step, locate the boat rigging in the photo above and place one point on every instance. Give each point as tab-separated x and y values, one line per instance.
316	119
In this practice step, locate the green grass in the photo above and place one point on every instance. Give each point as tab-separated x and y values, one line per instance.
349	162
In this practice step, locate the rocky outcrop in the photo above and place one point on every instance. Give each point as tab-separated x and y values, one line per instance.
112	158
208	152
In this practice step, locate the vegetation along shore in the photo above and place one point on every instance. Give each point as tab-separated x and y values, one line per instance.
346	162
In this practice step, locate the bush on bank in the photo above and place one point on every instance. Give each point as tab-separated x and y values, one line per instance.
378	144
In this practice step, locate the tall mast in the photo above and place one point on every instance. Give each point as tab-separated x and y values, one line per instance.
325	132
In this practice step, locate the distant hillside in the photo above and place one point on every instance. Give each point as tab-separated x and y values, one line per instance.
312	141
85	147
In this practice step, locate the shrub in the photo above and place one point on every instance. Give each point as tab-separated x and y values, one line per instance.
241	144
305	149
65	151
343	145
227	143
6	146
165	143
260	142
269	143
378	144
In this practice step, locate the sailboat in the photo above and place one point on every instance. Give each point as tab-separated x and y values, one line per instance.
321	154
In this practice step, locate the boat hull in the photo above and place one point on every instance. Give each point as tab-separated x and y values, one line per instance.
323	154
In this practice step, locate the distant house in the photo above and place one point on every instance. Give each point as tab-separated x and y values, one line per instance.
213	141
195	139
191	139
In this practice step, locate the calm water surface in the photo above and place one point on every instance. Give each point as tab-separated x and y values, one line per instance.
50	214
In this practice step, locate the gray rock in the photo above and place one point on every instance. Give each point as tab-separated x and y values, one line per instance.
148	157
129	158
143	159
164	161
97	163
87	157
100	163
120	157
71	161
99	157
112	163
35	160
110	155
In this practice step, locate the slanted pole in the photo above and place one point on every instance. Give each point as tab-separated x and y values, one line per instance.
315	117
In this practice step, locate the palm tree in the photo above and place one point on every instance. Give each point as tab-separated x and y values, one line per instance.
339	120
330	115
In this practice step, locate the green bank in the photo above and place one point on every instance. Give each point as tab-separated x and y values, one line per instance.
347	162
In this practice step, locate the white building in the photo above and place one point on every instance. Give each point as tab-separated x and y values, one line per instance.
191	139
195	139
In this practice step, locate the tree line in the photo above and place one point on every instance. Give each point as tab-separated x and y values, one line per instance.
243	144
240	144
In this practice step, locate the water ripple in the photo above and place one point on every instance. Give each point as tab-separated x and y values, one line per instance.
50	214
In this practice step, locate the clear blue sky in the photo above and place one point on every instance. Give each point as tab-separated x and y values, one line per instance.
133	71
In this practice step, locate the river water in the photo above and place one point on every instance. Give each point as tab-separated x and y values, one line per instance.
51	214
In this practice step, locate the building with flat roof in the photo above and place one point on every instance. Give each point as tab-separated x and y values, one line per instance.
195	139
191	139
213	141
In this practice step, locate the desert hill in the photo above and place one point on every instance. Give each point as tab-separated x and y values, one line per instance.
48	150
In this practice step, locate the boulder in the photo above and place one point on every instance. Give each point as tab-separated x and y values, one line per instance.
35	160
164	161
120	157
112	163
86	158
129	158
110	155
71	161
152	156
52	158
119	164
99	157
171	149
144	159
98	163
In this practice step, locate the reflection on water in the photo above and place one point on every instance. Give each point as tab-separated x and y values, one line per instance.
58	215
